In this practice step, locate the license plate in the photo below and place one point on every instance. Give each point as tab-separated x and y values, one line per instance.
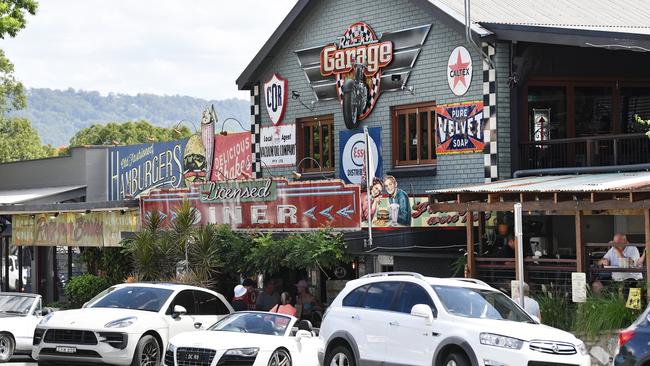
61	349
192	357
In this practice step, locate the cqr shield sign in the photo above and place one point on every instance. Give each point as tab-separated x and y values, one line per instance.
275	95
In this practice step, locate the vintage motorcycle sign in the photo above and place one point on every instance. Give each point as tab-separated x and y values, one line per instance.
361	65
275	95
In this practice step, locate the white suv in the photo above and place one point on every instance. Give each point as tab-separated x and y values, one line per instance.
128	324
407	319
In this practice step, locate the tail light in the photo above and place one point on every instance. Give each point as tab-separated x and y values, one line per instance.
624	336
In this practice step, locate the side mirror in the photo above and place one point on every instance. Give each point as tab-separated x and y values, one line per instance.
178	311
303	334
423	311
46	311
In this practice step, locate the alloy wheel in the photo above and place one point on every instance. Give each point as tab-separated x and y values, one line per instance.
451	363
340	360
5	347
280	358
150	354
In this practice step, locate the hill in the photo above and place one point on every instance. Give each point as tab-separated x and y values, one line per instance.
59	114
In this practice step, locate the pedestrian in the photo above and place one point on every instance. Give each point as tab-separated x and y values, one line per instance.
268	298
285	306
530	305
239	301
305	302
251	293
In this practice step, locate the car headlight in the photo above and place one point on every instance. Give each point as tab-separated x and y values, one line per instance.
242	352
496	340
121	323
45	319
582	348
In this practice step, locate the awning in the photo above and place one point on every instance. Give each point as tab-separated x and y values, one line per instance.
33	195
608	191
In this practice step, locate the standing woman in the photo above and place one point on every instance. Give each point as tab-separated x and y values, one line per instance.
305	302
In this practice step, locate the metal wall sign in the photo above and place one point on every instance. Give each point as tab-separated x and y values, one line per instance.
388	57
275	97
278	145
232	157
352	148
459	128
136	168
95	229
297	206
236	191
459	70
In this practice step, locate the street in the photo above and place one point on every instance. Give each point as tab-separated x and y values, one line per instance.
21	361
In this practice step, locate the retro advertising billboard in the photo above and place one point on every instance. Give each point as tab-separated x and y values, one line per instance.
352	149
459	128
278	145
232	157
264	204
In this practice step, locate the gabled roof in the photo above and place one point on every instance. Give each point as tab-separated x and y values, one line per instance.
621	24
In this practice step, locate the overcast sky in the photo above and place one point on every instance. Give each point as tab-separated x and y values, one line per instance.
186	47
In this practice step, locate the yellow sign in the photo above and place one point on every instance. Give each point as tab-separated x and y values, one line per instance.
634	299
95	229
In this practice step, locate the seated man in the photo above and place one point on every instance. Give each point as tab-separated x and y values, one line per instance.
620	250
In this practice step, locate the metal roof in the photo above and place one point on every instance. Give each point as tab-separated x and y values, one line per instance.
621	16
16	196
609	182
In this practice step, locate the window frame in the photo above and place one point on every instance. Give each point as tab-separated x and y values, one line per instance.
198	304
396	111
400	293
310	122
190	311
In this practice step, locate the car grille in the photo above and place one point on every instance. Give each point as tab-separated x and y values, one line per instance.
553	348
538	363
236	361
205	356
66	336
117	340
169	358
80	353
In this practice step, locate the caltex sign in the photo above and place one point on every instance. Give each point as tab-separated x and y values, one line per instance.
275	95
459	70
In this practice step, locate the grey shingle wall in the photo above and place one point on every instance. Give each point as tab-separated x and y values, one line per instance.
502	58
329	19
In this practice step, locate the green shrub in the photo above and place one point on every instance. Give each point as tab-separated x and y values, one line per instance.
83	288
604	313
556	308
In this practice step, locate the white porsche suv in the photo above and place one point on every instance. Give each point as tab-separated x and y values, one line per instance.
407	319
128	324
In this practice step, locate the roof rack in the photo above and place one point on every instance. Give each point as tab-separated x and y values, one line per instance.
470	280
387	274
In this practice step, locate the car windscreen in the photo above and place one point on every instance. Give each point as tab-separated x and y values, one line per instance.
256	323
136	298
15	305
480	304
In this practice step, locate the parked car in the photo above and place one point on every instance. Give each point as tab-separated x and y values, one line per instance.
128	324
248	339
387	318
634	343
19	315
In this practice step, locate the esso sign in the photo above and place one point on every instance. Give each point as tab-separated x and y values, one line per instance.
275	97
353	156
358	153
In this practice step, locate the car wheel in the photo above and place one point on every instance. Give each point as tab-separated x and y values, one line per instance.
7	347
280	358
340	356
147	353
456	359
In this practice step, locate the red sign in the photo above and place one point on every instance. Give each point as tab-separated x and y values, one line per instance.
232	157
285	206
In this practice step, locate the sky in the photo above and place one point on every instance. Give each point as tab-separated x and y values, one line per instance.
168	47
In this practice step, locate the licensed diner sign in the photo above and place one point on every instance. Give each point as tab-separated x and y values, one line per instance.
263	204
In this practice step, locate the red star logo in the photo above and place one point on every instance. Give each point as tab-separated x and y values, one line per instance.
276	132
457	70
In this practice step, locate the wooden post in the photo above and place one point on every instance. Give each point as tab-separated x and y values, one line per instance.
481	232
646	221
471	265
580	245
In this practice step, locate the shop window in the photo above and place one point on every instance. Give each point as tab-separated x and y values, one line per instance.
414	134
635	101
593	111
549	102
317	142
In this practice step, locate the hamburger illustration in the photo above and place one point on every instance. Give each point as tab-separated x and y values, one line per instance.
383	217
194	161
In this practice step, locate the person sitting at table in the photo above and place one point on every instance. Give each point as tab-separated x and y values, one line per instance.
508	250
639	262
620	251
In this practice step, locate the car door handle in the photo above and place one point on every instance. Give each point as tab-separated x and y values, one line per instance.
197	325
356	317
394	324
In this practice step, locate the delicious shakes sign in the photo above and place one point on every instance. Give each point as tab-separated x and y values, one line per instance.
232	157
269	205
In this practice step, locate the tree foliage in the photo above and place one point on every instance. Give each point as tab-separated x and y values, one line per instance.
20	141
12	15
643	122
128	133
12	91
